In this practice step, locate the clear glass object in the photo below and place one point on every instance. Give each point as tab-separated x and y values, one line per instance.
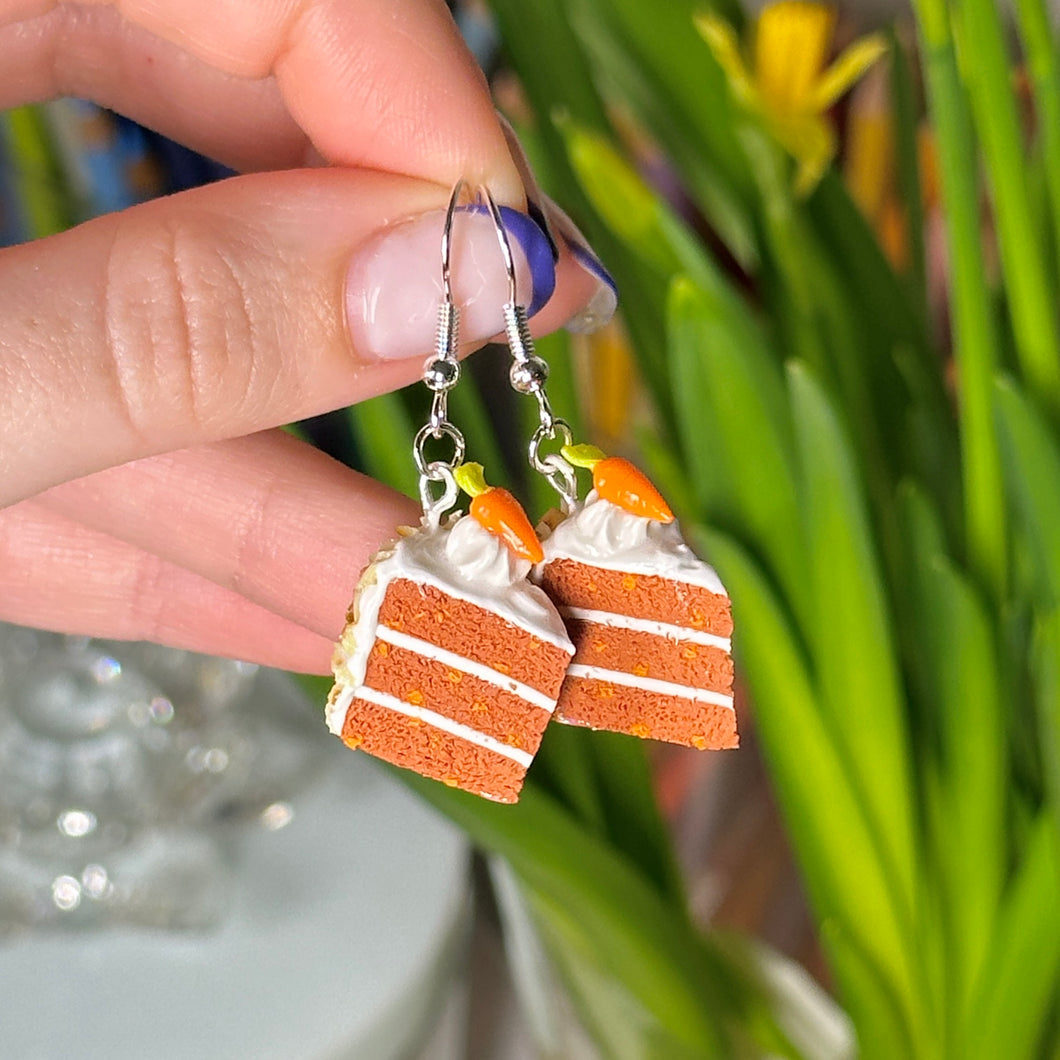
126	771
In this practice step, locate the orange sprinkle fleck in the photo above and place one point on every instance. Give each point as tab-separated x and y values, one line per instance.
514	739
699	620
439	616
382	648
415	697
454	676
599	645
353	742
690	652
629	583
699	741
451	781
641	669
480	706
605	692
640	729
500	667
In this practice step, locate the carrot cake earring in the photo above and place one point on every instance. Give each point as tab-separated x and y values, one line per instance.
451	660
650	622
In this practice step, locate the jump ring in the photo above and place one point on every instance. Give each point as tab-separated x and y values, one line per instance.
446	430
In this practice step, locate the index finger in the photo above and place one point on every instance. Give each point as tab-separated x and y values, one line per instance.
381	85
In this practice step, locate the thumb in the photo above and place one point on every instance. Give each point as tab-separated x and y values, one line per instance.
243	305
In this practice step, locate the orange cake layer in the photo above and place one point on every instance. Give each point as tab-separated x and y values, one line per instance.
460	696
650	655
617	708
573	584
473	632
414	744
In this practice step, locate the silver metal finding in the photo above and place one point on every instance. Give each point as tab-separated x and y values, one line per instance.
441	372
529	373
553	466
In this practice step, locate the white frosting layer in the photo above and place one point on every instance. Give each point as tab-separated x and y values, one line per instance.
439	721
463	560
647	625
649	684
602	534
468	666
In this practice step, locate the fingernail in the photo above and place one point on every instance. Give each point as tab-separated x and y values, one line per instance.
604	300
394	282
535	197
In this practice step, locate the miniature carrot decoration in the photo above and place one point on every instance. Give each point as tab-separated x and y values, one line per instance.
497	511
617	480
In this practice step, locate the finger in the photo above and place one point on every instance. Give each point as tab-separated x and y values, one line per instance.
59	575
95	53
239	306
267	517
386	86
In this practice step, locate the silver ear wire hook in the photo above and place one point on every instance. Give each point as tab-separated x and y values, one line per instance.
529	373
440	374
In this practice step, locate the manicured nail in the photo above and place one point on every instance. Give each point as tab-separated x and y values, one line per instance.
394	282
535	197
604	300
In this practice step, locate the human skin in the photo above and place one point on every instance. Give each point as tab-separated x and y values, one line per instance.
147	357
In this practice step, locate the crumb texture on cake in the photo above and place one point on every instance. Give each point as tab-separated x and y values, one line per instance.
452	660
415	744
604	705
651	624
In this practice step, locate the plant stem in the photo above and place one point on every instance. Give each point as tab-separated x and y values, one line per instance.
989	77
974	338
1044	69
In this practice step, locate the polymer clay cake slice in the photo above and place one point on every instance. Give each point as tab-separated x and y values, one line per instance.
451	660
651	623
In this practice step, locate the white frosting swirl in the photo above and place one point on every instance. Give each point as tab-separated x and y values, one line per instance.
482	558
462	559
602	534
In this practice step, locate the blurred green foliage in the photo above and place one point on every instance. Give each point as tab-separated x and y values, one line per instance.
892	548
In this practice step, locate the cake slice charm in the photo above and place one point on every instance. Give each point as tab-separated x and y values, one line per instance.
451	661
650	622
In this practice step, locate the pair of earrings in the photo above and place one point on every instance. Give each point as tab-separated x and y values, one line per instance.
470	632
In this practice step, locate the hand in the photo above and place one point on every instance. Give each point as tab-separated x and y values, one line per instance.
146	357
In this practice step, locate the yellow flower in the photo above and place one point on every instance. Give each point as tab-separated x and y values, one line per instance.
787	81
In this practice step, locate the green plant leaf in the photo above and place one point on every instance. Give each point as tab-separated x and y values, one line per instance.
1043	65
44	192
735	427
1031	301
1046	665
956	635
468	411
1032	465
850	639
1020	977
975	333
384	434
651	955
651	59
634	824
905	113
868	995
838	849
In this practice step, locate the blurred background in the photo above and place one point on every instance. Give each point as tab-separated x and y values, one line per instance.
836	236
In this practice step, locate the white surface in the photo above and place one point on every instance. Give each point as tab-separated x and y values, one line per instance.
342	934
